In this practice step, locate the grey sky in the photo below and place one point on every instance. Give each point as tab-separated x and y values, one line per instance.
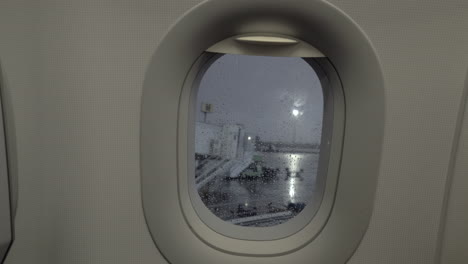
261	93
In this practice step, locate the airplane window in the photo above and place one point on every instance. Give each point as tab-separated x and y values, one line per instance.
258	131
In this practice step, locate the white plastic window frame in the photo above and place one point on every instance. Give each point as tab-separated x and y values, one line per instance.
347	47
316	212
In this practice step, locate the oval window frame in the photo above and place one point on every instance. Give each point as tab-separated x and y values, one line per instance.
354	58
314	216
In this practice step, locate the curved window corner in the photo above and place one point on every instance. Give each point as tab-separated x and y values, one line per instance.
249	146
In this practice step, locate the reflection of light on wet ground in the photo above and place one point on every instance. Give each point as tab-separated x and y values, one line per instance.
294	161
241	198
292	189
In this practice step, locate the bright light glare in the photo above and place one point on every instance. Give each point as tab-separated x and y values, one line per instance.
295	112
292	188
294	160
249	138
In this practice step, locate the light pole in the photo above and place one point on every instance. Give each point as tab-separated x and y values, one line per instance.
295	113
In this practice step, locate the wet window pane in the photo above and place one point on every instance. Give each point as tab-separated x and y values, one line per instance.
258	130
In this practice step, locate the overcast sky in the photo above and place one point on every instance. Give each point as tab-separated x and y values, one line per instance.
261	93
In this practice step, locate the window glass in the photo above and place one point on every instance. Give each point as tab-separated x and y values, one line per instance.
258	126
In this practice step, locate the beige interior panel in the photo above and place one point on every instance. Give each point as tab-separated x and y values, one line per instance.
75	72
454	245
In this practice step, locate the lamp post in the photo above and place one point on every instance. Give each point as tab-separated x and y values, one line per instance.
295	113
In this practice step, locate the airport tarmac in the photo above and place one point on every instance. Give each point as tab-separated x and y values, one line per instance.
265	200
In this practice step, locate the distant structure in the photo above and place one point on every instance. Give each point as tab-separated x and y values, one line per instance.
206	108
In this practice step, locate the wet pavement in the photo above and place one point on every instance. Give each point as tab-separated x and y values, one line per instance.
265	201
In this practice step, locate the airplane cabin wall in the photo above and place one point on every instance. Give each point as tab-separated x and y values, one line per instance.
75	71
454	242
